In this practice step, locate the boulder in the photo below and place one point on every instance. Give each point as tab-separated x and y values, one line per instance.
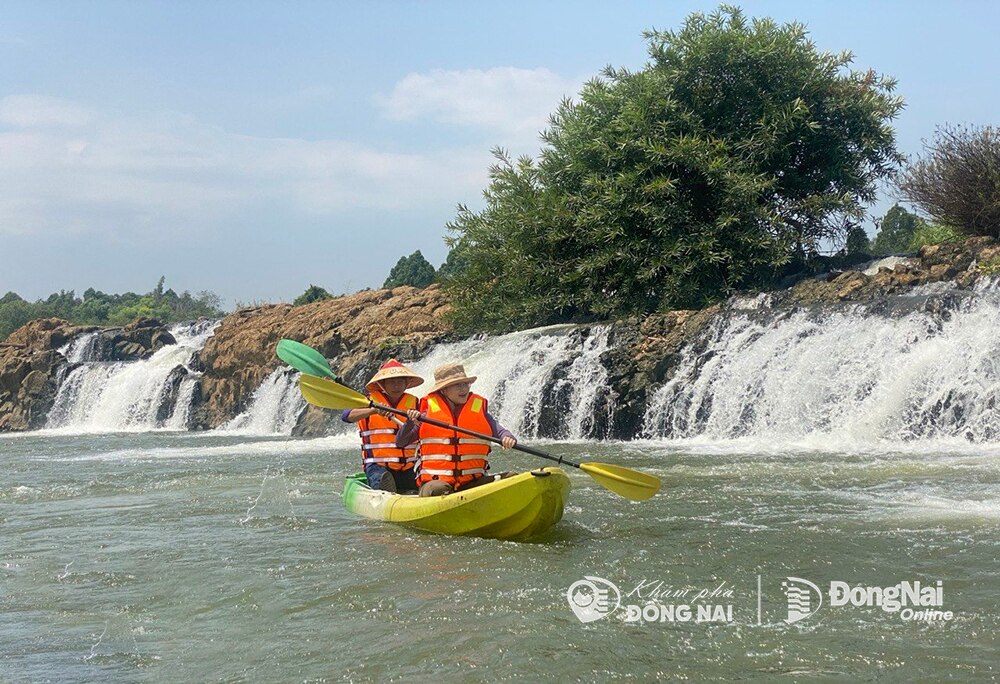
29	367
356	332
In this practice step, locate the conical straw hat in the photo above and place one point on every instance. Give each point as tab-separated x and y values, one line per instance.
394	369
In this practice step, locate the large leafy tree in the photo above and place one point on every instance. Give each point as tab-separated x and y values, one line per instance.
738	147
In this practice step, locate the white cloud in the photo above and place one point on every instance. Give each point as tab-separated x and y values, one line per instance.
38	111
13	41
515	102
68	169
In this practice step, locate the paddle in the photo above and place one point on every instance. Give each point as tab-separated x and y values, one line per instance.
625	482
305	359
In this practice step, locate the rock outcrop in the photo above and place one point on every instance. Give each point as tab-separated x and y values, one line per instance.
137	340
964	262
29	366
356	333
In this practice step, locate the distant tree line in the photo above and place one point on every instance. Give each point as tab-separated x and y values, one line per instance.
99	308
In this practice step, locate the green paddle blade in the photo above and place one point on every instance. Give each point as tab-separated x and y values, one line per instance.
329	394
623	481
305	359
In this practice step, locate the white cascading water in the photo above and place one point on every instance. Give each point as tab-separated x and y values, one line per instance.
100	396
274	407
513	371
82	348
853	375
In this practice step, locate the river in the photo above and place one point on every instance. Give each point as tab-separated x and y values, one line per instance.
193	557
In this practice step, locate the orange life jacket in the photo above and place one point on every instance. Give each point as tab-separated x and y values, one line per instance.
378	436
447	455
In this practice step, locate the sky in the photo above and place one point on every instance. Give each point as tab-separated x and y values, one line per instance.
255	148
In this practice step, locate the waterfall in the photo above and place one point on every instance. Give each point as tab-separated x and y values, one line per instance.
924	366
274	408
102	396
82	348
546	382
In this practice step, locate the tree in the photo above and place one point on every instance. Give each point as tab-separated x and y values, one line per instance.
13	314
737	148
455	262
98	308
412	270
896	231
957	183
313	293
857	242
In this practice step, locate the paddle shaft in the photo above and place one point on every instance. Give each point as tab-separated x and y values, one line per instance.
480	435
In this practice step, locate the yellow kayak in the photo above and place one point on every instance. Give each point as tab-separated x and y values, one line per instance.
516	508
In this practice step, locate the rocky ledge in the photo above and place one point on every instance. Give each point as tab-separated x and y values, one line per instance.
356	332
30	362
29	365
359	331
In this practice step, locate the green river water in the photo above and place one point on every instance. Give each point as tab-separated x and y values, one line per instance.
207	557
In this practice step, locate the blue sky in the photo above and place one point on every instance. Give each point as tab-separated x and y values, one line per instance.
253	148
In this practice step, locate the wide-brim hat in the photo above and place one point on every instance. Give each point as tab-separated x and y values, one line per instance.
394	369
450	374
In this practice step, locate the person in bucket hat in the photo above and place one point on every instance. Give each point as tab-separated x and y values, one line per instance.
449	461
386	465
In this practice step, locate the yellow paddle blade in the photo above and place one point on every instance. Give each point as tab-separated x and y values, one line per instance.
623	481
329	394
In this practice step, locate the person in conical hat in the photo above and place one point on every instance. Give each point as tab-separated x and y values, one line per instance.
386	465
448	460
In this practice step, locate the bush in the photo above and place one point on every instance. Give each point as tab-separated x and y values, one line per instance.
957	183
933	234
313	293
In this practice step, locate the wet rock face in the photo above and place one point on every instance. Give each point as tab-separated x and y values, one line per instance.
29	367
134	342
641	358
30	363
356	333
171	390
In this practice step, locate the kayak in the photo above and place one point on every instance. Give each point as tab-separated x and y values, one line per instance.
516	508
